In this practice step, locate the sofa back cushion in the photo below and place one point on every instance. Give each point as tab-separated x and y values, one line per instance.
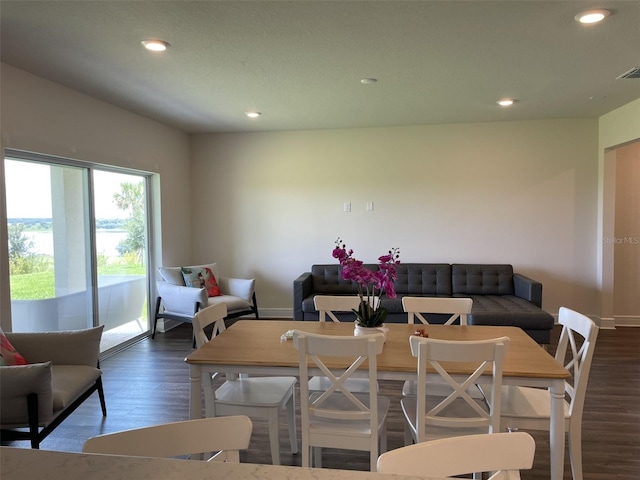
327	280
423	279
482	279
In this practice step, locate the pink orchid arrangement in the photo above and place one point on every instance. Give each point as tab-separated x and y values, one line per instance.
369	313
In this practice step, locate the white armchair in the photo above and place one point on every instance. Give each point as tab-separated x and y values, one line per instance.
177	301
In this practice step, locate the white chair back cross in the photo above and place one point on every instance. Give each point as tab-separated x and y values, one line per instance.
328	305
457	308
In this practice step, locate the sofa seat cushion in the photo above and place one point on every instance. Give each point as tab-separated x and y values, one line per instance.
508	310
234	304
69	382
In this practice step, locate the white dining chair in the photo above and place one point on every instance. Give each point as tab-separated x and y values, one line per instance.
503	455
328	306
338	417
429	417
529	408
255	397
224	435
456	308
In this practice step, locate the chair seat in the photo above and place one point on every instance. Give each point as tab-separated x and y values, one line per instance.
410	388
256	391
354	385
459	409
339	402
234	304
528	402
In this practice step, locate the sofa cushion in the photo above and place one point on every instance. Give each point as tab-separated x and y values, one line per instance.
327	279
234	304
508	310
69	382
423	279
482	279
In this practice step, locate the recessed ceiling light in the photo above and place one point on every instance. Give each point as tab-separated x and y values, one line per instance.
592	16
368	81
155	45
253	114
506	102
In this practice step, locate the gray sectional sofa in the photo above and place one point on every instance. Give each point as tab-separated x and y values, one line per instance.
500	297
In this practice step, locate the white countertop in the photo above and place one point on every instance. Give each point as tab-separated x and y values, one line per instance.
28	464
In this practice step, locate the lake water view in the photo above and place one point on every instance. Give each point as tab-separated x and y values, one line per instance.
106	241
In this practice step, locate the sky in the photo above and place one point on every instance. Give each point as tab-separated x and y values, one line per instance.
28	188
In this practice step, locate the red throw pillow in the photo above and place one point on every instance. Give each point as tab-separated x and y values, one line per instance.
8	354
213	290
201	278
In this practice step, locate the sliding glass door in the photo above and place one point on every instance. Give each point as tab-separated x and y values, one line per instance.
77	247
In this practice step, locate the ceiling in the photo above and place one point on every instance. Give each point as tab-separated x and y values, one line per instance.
300	62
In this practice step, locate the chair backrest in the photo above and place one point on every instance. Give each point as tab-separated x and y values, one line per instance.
225	435
358	350
326	305
503	453
455	307
575	351
446	357
211	315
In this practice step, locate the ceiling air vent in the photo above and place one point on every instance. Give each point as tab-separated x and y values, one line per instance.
633	73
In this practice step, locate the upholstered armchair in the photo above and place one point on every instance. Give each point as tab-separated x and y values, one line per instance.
182	291
62	373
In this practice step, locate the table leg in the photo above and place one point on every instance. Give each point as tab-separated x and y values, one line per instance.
556	430
195	392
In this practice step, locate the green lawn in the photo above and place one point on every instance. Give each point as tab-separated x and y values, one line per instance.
34	286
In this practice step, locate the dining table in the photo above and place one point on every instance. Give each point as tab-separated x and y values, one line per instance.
264	347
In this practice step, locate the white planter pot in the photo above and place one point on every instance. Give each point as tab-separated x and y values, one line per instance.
358	330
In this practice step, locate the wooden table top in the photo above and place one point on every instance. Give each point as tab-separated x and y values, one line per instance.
257	343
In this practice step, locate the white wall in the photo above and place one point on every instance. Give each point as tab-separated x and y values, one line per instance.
41	116
270	205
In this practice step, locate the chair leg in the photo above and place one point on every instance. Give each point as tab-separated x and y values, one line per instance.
291	422
274	439
575	451
32	414
408	437
103	404
255	305
155	317
306	452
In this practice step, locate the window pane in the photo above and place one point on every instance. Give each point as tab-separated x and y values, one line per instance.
48	245
121	240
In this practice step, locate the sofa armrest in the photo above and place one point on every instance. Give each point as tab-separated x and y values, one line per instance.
16	382
528	289
302	288
70	347
238	287
179	300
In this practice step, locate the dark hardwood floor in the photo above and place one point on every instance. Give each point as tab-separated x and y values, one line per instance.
149	384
